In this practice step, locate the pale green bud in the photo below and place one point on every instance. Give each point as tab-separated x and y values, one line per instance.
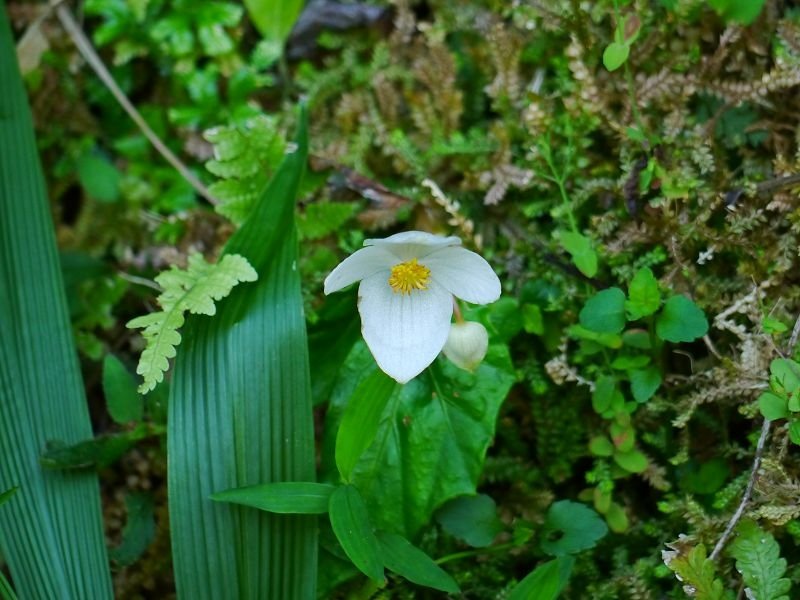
466	344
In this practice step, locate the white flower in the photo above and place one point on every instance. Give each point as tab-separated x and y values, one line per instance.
405	298
467	344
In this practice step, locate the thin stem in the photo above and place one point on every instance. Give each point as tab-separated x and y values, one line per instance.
470	553
90	56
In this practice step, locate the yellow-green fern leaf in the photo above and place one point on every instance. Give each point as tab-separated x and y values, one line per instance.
195	289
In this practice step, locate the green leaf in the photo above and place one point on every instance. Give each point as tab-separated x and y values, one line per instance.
600	445
274	19
321	219
123	402
603	395
605	311
644	297
772	406
786	373
570	527
627	362
412	563
98	177
773	326
5	496
286	497
609	340
615	55
794	432
546	581
645	383
139	531
361	420
98	452
632	460
240	414
350	523
52	528
758	559
681	321
472	519
194	290
532	319
744	12
580	248
437	426
637	338
695	570
616	518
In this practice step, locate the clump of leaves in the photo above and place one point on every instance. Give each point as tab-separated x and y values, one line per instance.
195	290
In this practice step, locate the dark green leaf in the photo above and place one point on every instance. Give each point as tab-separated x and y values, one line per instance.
240	414
350	522
570	527
546	581
98	452
412	563
51	529
580	248
605	311
772	406
139	531
471	518
4	497
361	420
286	497
643	295
681	321
122	400
645	383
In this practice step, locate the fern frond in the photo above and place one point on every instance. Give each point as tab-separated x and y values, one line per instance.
196	289
758	559
695	570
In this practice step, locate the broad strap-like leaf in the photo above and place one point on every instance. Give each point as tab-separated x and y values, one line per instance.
240	415
51	531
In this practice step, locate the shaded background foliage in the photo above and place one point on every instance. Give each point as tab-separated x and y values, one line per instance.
464	117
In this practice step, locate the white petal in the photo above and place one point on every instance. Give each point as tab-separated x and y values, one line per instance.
413	244
404	332
362	263
464	274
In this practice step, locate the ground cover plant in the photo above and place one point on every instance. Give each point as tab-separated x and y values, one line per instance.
400	299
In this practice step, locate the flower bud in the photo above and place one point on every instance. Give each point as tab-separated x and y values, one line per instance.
466	344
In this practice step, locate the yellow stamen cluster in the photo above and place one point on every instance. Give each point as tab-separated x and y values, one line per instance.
409	276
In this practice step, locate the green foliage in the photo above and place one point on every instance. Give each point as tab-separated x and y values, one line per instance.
99	452
404	559
758	559
472	519
697	573
123	402
570	527
644	297
681	321
138	532
285	497
274	18
546	581
782	401
351	524
580	248
744	12
195	290
605	311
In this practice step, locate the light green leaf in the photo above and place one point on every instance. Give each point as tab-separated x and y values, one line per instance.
644	297
546	581
694	569
139	531
645	383
52	528
119	387
603	394
472	519
615	55
605	311
570	527
350	523
580	248
616	518
794	432
758	559
772	406
600	445
681	321
628	362
438	426
773	326
320	219
274	19
240	415
194	290
361	420
412	563
631	460
786	373
284	497
98	177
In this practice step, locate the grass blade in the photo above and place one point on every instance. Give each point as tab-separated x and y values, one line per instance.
240	415
51	530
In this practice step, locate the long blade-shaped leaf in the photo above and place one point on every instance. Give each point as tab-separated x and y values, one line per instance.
51	530
240	414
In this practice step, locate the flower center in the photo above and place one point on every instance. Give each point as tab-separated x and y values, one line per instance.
409	276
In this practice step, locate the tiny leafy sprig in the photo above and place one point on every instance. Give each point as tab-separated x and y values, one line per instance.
195	289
